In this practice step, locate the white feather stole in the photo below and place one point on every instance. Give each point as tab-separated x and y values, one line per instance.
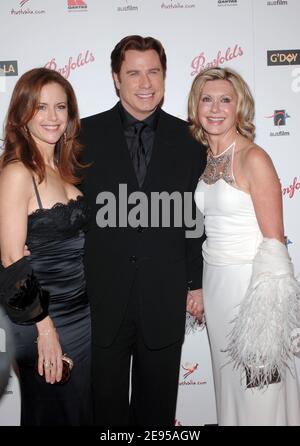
269	314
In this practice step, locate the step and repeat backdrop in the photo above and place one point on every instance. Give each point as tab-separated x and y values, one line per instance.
258	38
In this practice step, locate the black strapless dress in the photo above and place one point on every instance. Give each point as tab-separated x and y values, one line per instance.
55	239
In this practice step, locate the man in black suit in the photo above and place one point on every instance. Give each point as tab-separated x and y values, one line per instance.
141	275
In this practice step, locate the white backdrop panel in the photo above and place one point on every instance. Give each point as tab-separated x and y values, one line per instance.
195	33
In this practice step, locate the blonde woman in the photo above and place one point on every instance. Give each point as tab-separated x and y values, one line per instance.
250	294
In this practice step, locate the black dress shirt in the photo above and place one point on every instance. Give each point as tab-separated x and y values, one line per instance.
147	135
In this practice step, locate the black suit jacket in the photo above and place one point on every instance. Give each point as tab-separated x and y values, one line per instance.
161	259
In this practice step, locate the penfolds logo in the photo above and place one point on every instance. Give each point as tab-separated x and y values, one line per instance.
72	64
200	62
290	190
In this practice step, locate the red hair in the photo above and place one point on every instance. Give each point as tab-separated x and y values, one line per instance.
18	143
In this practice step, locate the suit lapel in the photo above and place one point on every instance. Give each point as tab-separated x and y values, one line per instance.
161	153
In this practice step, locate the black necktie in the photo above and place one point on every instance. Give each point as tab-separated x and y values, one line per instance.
138	154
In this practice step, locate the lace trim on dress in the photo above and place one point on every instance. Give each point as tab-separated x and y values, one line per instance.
60	221
70	203
219	166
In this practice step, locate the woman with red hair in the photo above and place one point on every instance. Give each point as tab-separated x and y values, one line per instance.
45	293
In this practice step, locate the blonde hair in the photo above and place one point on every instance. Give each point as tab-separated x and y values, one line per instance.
245	102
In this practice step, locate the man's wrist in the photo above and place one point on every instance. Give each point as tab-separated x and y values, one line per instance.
194	285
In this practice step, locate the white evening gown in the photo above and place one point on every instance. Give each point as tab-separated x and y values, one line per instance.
233	236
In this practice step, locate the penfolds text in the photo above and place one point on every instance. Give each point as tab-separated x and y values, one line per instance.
200	62
82	59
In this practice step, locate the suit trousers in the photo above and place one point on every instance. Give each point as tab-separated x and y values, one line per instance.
154	376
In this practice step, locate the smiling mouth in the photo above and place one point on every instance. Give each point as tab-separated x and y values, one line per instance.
50	127
145	95
215	119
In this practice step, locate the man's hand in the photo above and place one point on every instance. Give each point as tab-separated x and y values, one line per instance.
194	304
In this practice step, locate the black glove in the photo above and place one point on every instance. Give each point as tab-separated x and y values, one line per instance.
21	295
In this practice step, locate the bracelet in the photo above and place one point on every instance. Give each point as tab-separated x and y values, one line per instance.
46	332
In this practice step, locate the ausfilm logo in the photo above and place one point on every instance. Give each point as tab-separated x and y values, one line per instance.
279	117
227	3
201	62
74	63
279	120
277	3
190	373
290	191
128	6
27	10
174	4
77	5
283	57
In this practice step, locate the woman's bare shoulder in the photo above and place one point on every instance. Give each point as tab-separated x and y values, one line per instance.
16	168
15	175
254	156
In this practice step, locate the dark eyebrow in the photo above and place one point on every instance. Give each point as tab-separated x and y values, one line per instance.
58	103
138	71
132	71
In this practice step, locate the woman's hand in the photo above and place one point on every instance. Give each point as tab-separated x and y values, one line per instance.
194	304
49	351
